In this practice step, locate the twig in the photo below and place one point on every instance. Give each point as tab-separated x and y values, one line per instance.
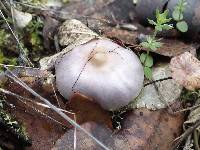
12	14
159	80
187	109
27	99
185	134
4	8
196	140
56	43
24	85
24	102
19	66
75	132
55	95
18	42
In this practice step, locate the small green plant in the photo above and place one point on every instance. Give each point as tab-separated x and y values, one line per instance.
151	43
177	15
190	96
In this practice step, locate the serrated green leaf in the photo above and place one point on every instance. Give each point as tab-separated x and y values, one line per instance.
182	26
157	13
162	17
148	73
151	44
145	44
148	58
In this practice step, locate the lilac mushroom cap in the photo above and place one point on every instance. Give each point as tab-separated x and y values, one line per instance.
102	70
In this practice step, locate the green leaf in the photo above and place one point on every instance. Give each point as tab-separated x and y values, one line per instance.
161	21
182	26
177	15
148	73
151	44
167	26
162	17
152	22
158	28
148	58
145	45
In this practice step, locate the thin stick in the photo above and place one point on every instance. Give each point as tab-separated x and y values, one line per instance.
24	85
24	102
86	33
55	95
186	134
19	66
187	109
27	99
18	42
56	43
4	8
159	80
75	132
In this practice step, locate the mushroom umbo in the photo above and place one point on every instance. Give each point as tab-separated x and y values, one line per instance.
102	70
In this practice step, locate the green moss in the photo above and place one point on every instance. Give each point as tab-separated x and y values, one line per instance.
31	39
12	125
190	96
3	37
35	39
7	60
4	48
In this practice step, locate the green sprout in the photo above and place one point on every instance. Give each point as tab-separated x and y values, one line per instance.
177	15
151	43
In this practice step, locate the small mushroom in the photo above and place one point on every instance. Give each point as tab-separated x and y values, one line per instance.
108	73
186	70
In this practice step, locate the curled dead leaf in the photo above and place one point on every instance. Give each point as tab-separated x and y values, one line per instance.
186	70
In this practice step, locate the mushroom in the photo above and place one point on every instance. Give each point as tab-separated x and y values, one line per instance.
102	70
186	70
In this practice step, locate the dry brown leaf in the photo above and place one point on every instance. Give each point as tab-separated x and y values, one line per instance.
142	129
44	131
87	110
186	70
